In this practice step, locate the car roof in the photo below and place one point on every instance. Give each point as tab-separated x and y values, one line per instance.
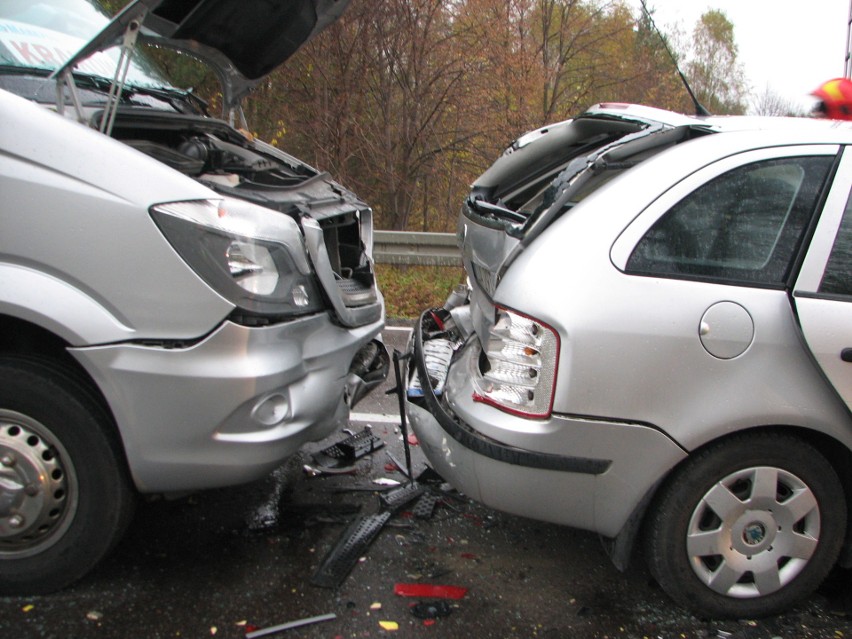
822	129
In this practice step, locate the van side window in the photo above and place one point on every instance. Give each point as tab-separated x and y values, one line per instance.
837	278
741	227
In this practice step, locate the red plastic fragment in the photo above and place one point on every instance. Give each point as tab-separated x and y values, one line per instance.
391	468
412	439
429	591
429	622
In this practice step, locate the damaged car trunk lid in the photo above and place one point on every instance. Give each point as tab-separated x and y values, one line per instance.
546	172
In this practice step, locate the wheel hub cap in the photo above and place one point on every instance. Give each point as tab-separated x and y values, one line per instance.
32	487
753	532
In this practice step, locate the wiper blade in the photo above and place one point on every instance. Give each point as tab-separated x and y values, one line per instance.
84	79
89	81
172	95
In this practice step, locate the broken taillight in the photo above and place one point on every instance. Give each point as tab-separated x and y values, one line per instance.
517	370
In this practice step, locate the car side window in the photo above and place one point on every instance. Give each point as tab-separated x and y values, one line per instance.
743	226
837	279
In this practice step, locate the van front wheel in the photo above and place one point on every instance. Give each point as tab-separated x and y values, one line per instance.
64	493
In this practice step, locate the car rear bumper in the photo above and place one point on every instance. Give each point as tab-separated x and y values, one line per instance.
578	471
233	406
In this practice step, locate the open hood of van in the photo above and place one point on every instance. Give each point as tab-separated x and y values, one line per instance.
242	41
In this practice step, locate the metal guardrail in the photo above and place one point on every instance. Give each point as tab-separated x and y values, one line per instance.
423	249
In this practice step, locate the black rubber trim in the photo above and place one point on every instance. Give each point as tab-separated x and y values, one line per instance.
481	445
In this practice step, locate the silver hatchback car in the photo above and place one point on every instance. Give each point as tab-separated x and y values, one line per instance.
656	345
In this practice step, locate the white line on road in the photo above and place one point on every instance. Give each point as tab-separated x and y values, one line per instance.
374	417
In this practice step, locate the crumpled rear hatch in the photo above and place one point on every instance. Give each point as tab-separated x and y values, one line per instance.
545	173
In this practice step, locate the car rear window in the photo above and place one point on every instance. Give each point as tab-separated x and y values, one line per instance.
741	227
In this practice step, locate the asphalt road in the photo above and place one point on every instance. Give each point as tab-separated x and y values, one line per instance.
223	563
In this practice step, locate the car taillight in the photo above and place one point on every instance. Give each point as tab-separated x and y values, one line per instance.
517	370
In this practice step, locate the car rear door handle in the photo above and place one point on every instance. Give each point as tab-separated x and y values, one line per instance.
846	355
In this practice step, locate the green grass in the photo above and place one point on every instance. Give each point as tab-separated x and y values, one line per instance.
410	289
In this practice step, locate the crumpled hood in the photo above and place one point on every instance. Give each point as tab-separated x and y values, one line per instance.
242	41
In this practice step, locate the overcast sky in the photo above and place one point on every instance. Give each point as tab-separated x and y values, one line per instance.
791	46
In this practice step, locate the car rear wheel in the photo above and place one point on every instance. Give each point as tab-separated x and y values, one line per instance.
64	493
747	527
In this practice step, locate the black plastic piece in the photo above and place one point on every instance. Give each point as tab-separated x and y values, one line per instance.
425	506
351	546
348	450
401	495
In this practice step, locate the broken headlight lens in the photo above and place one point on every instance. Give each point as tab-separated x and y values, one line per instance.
252	256
517	370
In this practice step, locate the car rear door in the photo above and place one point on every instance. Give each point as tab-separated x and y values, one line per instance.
822	294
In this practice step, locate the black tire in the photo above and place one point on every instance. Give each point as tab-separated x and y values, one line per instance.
720	543
65	498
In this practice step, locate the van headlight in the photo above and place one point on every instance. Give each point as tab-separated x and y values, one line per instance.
252	256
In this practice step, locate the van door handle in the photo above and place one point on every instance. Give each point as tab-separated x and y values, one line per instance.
846	355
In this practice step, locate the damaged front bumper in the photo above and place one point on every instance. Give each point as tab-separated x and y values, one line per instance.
577	471
234	406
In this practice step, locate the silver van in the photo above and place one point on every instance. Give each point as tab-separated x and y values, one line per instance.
657	345
181	305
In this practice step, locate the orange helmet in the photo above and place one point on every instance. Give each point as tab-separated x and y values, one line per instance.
835	99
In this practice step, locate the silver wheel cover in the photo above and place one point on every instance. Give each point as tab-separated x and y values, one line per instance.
753	532
38	487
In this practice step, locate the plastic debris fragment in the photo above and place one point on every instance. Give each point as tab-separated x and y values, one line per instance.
398	497
375	606
313	471
384	481
389	625
431	609
341	559
348	450
429	591
429	476
289	625
397	465
425	506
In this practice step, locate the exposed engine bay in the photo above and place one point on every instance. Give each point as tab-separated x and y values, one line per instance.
232	163
209	150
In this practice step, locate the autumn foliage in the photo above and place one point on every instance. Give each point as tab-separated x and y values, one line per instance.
407	101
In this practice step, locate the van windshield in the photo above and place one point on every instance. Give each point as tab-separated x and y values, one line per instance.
42	35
